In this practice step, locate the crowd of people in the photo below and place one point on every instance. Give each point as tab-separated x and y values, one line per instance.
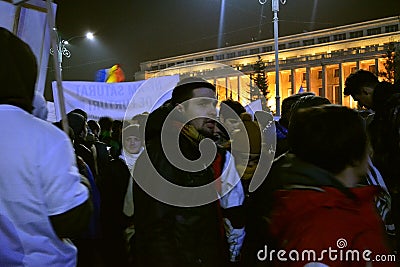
173	187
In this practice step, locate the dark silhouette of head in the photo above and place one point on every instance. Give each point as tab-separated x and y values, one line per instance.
18	71
287	104
183	91
229	105
331	137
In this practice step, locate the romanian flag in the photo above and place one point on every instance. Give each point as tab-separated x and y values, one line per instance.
112	75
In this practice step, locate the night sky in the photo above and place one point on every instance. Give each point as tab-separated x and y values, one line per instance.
132	31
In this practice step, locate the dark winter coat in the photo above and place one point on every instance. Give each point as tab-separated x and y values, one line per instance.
113	186
384	133
168	235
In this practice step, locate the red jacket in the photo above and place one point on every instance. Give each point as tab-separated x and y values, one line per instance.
324	218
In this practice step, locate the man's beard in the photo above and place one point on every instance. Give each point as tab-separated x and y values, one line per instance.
207	131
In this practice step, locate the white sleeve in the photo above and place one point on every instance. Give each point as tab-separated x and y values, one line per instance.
231	187
62	188
232	196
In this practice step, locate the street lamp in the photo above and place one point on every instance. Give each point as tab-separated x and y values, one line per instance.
275	9
62	50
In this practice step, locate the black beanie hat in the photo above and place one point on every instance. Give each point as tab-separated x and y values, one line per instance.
18	71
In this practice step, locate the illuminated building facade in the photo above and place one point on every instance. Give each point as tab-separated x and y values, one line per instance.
317	61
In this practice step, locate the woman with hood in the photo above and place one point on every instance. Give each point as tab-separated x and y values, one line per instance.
117	199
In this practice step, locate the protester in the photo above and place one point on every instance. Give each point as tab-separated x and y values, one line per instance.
282	124
116	138
229	115
246	148
383	130
117	200
79	125
171	235
94	128
42	199
320	192
105	129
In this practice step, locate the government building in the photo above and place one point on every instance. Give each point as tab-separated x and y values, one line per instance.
317	61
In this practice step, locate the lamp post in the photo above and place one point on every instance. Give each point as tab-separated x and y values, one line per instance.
275	9
62	50
58	44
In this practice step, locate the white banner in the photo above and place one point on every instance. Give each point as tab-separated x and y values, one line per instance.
114	100
254	106
29	22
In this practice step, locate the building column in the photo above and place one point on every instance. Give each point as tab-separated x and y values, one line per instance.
357	65
227	96
293	80
323	92
341	84
238	88
308	80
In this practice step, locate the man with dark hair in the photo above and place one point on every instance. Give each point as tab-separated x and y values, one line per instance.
42	199
361	86
228	105
282	124
383	130
105	129
170	234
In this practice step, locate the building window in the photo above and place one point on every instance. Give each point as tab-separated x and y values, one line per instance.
230	55
199	59
338	37
372	68
392	28
162	66
294	44
242	53
336	73
171	64
179	63
304	76
254	51
320	92
319	74
266	49
281	46
374	31
219	57
210	58
322	40
309	42
353	69
356	34
153	68
336	94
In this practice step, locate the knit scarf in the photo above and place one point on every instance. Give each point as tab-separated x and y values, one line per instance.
195	137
